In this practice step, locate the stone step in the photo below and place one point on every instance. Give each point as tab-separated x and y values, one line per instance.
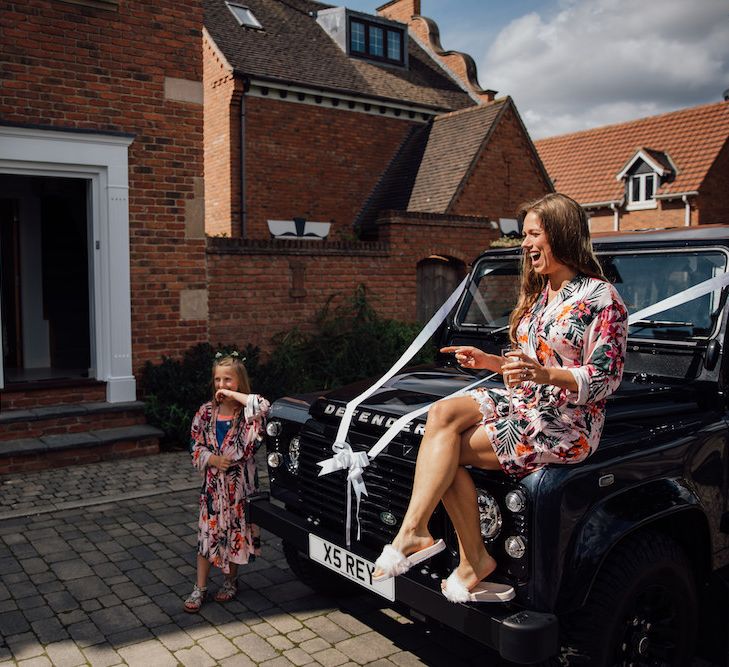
29	395
68	418
50	451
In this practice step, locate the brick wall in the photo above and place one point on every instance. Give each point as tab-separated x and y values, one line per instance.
667	214
258	289
222	141
400	10
312	162
68	66
714	193
506	175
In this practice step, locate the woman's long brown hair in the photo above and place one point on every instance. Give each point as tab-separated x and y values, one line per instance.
568	233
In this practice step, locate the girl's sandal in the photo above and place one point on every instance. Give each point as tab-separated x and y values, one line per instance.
227	591
196	599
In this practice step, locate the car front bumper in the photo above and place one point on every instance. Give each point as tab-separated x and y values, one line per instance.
519	635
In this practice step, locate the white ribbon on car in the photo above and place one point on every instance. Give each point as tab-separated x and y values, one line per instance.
354	462
689	294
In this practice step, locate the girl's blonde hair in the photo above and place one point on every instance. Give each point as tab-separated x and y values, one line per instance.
568	233
239	369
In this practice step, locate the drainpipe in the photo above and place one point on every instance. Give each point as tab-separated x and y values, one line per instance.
687	211
243	212
616	217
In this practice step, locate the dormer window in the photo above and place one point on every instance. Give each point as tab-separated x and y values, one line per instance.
365	36
244	15
644	173
642	188
376	42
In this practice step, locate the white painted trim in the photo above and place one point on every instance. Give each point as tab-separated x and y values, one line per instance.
658	168
642	205
678	195
616	217
343	101
103	161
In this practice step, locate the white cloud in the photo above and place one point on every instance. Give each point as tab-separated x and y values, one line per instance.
605	61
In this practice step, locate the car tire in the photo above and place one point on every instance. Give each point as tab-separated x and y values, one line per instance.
641	610
317	576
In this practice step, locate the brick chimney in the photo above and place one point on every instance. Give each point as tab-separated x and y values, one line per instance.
400	10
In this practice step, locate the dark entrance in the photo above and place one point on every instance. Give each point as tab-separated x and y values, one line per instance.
44	278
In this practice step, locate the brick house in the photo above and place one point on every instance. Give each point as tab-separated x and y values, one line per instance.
344	148
323	169
670	170
101	219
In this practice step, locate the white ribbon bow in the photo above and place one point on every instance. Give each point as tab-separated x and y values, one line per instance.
355	463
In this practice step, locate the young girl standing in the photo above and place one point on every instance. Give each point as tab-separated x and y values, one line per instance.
223	441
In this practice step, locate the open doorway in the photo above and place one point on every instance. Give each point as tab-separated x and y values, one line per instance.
44	278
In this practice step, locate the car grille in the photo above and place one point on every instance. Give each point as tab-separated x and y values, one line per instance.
388	480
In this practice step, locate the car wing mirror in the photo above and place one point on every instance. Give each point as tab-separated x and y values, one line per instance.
711	355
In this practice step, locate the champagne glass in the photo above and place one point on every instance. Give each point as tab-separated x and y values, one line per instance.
509	387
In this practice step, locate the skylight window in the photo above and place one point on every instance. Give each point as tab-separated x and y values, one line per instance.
244	15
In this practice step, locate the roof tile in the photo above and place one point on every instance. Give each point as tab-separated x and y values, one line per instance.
584	165
293	48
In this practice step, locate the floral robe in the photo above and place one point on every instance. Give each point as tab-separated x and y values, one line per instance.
224	537
583	329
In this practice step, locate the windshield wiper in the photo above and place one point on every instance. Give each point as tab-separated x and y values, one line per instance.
661	324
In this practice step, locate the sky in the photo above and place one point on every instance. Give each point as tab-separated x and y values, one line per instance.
572	65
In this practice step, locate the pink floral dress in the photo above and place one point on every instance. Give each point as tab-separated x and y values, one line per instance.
224	537
583	329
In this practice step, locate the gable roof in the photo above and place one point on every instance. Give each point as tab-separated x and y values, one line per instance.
293	48
454	144
584	165
427	171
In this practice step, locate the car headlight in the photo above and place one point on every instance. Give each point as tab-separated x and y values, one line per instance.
489	515
515	546
515	501
294	449
274	428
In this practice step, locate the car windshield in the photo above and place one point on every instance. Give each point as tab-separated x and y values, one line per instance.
642	278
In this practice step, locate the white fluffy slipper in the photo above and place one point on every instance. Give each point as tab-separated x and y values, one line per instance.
485	591
393	562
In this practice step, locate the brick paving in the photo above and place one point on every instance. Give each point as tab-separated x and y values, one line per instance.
96	560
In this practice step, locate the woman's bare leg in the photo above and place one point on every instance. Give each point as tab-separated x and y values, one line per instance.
435	468
462	507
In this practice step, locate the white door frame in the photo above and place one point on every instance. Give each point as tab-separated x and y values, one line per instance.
102	159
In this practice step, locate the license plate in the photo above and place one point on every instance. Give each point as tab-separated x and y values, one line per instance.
349	565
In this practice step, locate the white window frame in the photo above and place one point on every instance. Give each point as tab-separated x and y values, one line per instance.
102	160
642	202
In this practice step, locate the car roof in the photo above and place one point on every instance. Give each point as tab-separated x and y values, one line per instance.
712	235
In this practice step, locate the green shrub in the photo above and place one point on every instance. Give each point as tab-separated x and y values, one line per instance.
174	389
347	343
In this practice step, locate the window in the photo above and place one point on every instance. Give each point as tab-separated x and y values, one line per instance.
641	189
376	42
357	32
377	48
394	45
244	15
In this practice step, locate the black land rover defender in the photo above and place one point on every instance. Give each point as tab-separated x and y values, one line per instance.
619	560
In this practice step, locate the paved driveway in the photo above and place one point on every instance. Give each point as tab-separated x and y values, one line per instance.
95	561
